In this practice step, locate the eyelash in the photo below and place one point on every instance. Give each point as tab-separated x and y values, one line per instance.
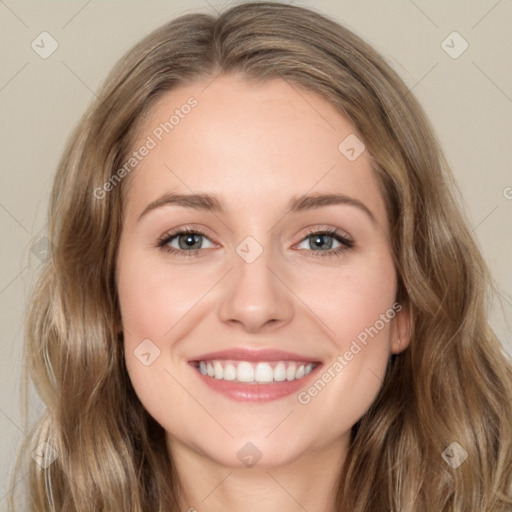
346	243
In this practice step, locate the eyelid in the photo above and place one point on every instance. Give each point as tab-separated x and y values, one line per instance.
328	229
182	230
188	228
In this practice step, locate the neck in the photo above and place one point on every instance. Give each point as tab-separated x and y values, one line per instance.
308	482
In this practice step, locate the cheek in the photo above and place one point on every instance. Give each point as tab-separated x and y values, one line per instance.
153	301
157	301
352	298
358	317
154	298
356	306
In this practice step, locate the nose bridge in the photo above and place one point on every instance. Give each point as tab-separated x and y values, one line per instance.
255	295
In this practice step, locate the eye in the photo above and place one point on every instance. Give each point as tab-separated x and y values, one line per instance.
184	242
325	239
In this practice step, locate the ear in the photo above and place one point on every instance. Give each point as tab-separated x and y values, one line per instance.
401	330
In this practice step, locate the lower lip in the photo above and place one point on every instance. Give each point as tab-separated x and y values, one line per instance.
244	392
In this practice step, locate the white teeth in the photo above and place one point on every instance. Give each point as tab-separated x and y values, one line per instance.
245	372
291	371
261	372
280	372
219	371
229	372
264	373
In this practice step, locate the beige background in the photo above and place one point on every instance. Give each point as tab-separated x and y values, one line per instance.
468	99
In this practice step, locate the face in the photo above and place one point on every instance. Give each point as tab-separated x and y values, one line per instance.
287	303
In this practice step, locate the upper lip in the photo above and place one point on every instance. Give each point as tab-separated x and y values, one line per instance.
246	354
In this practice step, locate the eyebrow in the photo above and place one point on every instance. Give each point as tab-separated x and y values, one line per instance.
210	203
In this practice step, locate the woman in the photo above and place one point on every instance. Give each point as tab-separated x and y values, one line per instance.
194	348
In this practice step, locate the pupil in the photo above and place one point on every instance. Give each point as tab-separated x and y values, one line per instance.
190	240
319	241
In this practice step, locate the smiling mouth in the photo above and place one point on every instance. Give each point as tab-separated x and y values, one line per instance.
264	372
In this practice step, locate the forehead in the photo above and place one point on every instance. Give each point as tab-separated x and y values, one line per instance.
246	143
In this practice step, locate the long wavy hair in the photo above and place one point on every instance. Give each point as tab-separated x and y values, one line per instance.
452	384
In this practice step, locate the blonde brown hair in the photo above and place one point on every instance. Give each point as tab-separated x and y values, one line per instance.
453	383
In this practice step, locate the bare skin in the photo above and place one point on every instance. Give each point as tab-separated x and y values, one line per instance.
255	147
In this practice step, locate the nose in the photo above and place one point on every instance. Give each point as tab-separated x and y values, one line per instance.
255	295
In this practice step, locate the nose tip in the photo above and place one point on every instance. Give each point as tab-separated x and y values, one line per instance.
254	297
